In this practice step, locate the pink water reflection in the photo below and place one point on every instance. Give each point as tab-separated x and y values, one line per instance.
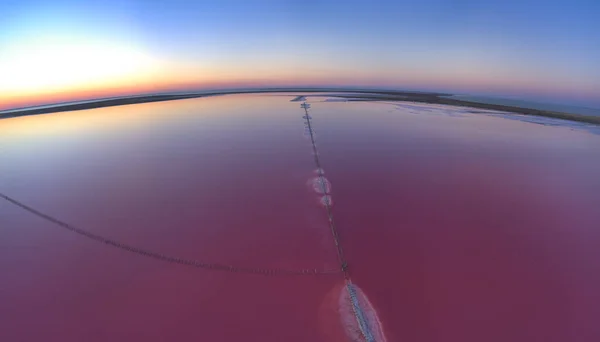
456	227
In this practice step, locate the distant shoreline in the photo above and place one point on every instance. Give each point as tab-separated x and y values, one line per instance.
349	94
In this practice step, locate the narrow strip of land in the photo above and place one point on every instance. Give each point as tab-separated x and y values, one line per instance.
349	94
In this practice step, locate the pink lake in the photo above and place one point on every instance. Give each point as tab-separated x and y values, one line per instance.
458	225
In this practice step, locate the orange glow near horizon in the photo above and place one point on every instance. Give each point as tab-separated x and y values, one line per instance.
63	68
63	51
162	77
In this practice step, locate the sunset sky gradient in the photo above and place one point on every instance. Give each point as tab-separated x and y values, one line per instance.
55	51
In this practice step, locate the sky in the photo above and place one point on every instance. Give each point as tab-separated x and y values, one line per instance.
56	51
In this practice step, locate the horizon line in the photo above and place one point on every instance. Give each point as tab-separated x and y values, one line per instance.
227	90
367	95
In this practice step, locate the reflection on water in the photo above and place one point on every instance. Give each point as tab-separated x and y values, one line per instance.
530	104
463	227
540	120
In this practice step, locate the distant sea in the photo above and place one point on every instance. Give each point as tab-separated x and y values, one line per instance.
530	104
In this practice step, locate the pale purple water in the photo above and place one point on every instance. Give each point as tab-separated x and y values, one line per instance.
456	226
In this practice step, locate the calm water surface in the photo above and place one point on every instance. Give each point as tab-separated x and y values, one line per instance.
457	226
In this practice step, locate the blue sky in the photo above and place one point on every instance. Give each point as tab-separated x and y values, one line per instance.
540	50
